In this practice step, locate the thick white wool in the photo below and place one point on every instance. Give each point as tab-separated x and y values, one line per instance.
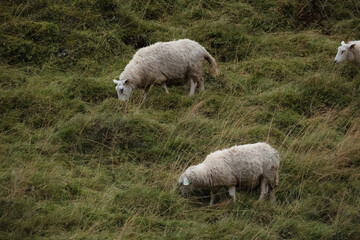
163	62
242	166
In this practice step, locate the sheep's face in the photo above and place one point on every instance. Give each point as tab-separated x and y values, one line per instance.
344	53
123	89
184	184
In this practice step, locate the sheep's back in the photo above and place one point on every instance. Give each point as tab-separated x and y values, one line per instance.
171	59
245	163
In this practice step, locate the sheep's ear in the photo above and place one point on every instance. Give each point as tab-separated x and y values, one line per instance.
342	43
116	81
352	46
186	181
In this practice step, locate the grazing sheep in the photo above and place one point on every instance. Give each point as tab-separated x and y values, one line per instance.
349	51
242	166
163	62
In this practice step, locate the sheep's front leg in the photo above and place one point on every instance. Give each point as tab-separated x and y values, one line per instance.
146	92
264	189
145	95
163	85
213	195
192	87
232	193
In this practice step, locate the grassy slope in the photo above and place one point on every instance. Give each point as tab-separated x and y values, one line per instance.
79	164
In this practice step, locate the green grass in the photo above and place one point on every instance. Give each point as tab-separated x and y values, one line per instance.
79	164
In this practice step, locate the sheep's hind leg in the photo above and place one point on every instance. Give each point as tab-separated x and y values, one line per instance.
272	190
201	84
272	196
273	187
264	189
232	193
192	87
163	85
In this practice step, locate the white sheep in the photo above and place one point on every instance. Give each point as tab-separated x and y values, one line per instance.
163	62
349	51
242	166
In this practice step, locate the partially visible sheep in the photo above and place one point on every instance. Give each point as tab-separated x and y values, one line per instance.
349	52
163	62
242	166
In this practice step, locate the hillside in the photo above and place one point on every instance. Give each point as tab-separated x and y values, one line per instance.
79	164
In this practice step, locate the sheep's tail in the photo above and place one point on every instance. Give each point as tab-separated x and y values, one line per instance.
213	66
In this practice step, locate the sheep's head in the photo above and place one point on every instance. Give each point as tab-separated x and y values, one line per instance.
185	185
344	53
123	89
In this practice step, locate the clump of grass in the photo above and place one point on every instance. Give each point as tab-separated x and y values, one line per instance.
227	42
130	137
89	90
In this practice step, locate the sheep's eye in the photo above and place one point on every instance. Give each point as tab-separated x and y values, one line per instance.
342	51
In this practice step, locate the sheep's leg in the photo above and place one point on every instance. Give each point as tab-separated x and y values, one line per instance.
192	87
273	188
264	189
212	196
146	92
145	95
273	185
272	196
163	85
201	84
232	193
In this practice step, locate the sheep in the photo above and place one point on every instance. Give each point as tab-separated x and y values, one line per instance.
349	51
243	166
163	62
